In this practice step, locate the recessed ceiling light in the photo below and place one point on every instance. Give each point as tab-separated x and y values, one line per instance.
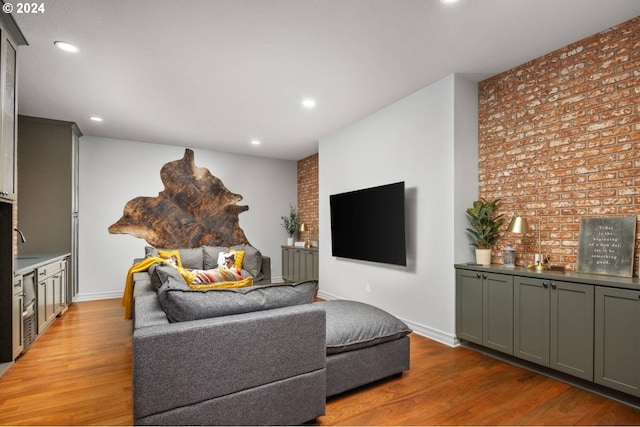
95	119
448	1
255	142
68	47
308	103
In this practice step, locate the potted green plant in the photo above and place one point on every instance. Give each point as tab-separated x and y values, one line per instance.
485	225
290	223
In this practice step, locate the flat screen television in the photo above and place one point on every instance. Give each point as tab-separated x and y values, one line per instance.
368	224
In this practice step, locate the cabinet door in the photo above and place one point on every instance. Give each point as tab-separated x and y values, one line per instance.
291	262
56	284
285	263
316	265
42	305
571	346
8	120
469	305
531	320
51	301
308	260
17	323
64	284
497	310
46	303
617	339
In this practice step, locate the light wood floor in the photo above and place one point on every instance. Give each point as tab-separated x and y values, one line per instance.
79	373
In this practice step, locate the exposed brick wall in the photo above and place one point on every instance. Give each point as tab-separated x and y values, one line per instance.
308	196
559	140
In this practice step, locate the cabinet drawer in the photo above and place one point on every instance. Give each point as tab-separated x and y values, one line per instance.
50	269
18	285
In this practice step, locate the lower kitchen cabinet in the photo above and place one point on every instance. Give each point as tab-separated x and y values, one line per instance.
51	292
17	324
617	339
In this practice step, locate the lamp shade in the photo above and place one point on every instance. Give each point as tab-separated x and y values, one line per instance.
518	225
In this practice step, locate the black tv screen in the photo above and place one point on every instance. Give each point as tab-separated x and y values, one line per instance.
368	224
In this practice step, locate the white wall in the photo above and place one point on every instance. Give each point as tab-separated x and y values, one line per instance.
112	172
413	140
466	163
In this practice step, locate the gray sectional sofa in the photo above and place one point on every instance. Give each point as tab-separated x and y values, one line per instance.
261	355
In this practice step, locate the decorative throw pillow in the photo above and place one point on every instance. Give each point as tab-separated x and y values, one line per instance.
173	257
216	275
226	260
252	260
210	256
239	258
160	274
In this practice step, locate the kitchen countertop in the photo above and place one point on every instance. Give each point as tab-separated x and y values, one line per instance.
27	262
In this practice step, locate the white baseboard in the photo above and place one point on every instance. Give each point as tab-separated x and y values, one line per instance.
97	296
422	330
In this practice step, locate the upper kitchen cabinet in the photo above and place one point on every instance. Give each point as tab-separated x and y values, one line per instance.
10	38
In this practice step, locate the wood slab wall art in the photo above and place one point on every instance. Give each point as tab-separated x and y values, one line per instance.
194	209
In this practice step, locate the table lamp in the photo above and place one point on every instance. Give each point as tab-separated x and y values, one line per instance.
520	225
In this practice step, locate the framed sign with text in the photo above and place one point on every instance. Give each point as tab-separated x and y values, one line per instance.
605	246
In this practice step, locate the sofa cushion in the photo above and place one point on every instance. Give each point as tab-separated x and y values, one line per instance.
352	325
181	303
191	258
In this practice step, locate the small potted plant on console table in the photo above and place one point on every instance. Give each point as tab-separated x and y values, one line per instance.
484	228
290	223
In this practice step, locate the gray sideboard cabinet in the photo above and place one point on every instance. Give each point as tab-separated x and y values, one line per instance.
484	309
577	327
617	339
553	324
299	263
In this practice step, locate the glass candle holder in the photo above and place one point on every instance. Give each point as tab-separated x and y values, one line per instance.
509	256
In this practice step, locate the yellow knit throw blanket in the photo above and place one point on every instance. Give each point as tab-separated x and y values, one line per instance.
127	296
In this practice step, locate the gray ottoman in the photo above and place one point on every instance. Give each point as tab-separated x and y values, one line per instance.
364	344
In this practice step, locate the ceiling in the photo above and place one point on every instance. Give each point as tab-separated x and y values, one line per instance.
215	74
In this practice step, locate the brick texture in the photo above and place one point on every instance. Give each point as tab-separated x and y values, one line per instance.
308	196
559	140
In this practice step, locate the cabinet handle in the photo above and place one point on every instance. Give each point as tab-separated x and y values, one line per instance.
545	284
553	285
478	275
484	276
